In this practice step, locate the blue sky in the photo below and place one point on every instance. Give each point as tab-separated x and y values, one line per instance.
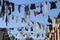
39	18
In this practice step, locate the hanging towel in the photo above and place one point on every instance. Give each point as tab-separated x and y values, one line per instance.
32	6
53	5
41	8
13	7
46	7
19	6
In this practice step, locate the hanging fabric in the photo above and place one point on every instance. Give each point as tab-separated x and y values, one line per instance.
53	5
26	29
39	25
6	20
49	19
55	20
19	6
31	38
41	8
31	28
32	6
23	20
6	9
36	13
9	11
13	7
3	10
50	27
0	3
27	12
16	19
27	8
12	17
7	3
46	7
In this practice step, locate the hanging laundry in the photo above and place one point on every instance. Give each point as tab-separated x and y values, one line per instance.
9	11
41	8
42	35
19	29
31	28
32	6
26	29
53	5
16	19
26	8
31	38
46	7
6	9
19	6
0	3
55	20
11	28
6	20
38	35
7	3
39	25
49	19
42	26
36	13
23	20
12	17
50	27
13	7
3	10
27	12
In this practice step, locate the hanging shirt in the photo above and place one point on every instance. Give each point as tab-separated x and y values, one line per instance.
32	6
46	7
53	5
